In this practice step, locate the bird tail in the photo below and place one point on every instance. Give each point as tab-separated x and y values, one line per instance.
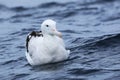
29	59
68	51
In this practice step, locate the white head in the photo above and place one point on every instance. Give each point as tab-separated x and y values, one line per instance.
49	27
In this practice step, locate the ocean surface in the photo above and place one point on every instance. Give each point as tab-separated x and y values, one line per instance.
90	28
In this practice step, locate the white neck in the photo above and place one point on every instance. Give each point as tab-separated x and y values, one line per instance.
48	35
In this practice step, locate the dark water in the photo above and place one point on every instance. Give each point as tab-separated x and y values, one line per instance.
91	30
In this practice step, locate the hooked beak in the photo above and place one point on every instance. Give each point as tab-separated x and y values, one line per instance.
57	33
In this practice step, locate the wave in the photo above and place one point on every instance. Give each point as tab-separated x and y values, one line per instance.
83	71
106	41
19	9
52	4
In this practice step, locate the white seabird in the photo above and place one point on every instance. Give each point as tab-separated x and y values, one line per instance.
46	46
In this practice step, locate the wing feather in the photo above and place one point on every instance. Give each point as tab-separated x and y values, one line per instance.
29	37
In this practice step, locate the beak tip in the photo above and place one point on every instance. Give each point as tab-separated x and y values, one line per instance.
60	35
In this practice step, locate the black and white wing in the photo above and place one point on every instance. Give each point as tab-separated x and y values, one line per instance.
32	34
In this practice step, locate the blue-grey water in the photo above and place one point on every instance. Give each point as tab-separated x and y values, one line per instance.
90	28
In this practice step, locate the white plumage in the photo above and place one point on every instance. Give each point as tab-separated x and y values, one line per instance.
46	46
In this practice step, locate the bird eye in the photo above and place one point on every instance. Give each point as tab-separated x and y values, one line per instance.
47	25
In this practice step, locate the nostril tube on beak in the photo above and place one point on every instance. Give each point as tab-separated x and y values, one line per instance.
57	33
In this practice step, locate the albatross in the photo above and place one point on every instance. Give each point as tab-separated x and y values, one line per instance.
45	46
